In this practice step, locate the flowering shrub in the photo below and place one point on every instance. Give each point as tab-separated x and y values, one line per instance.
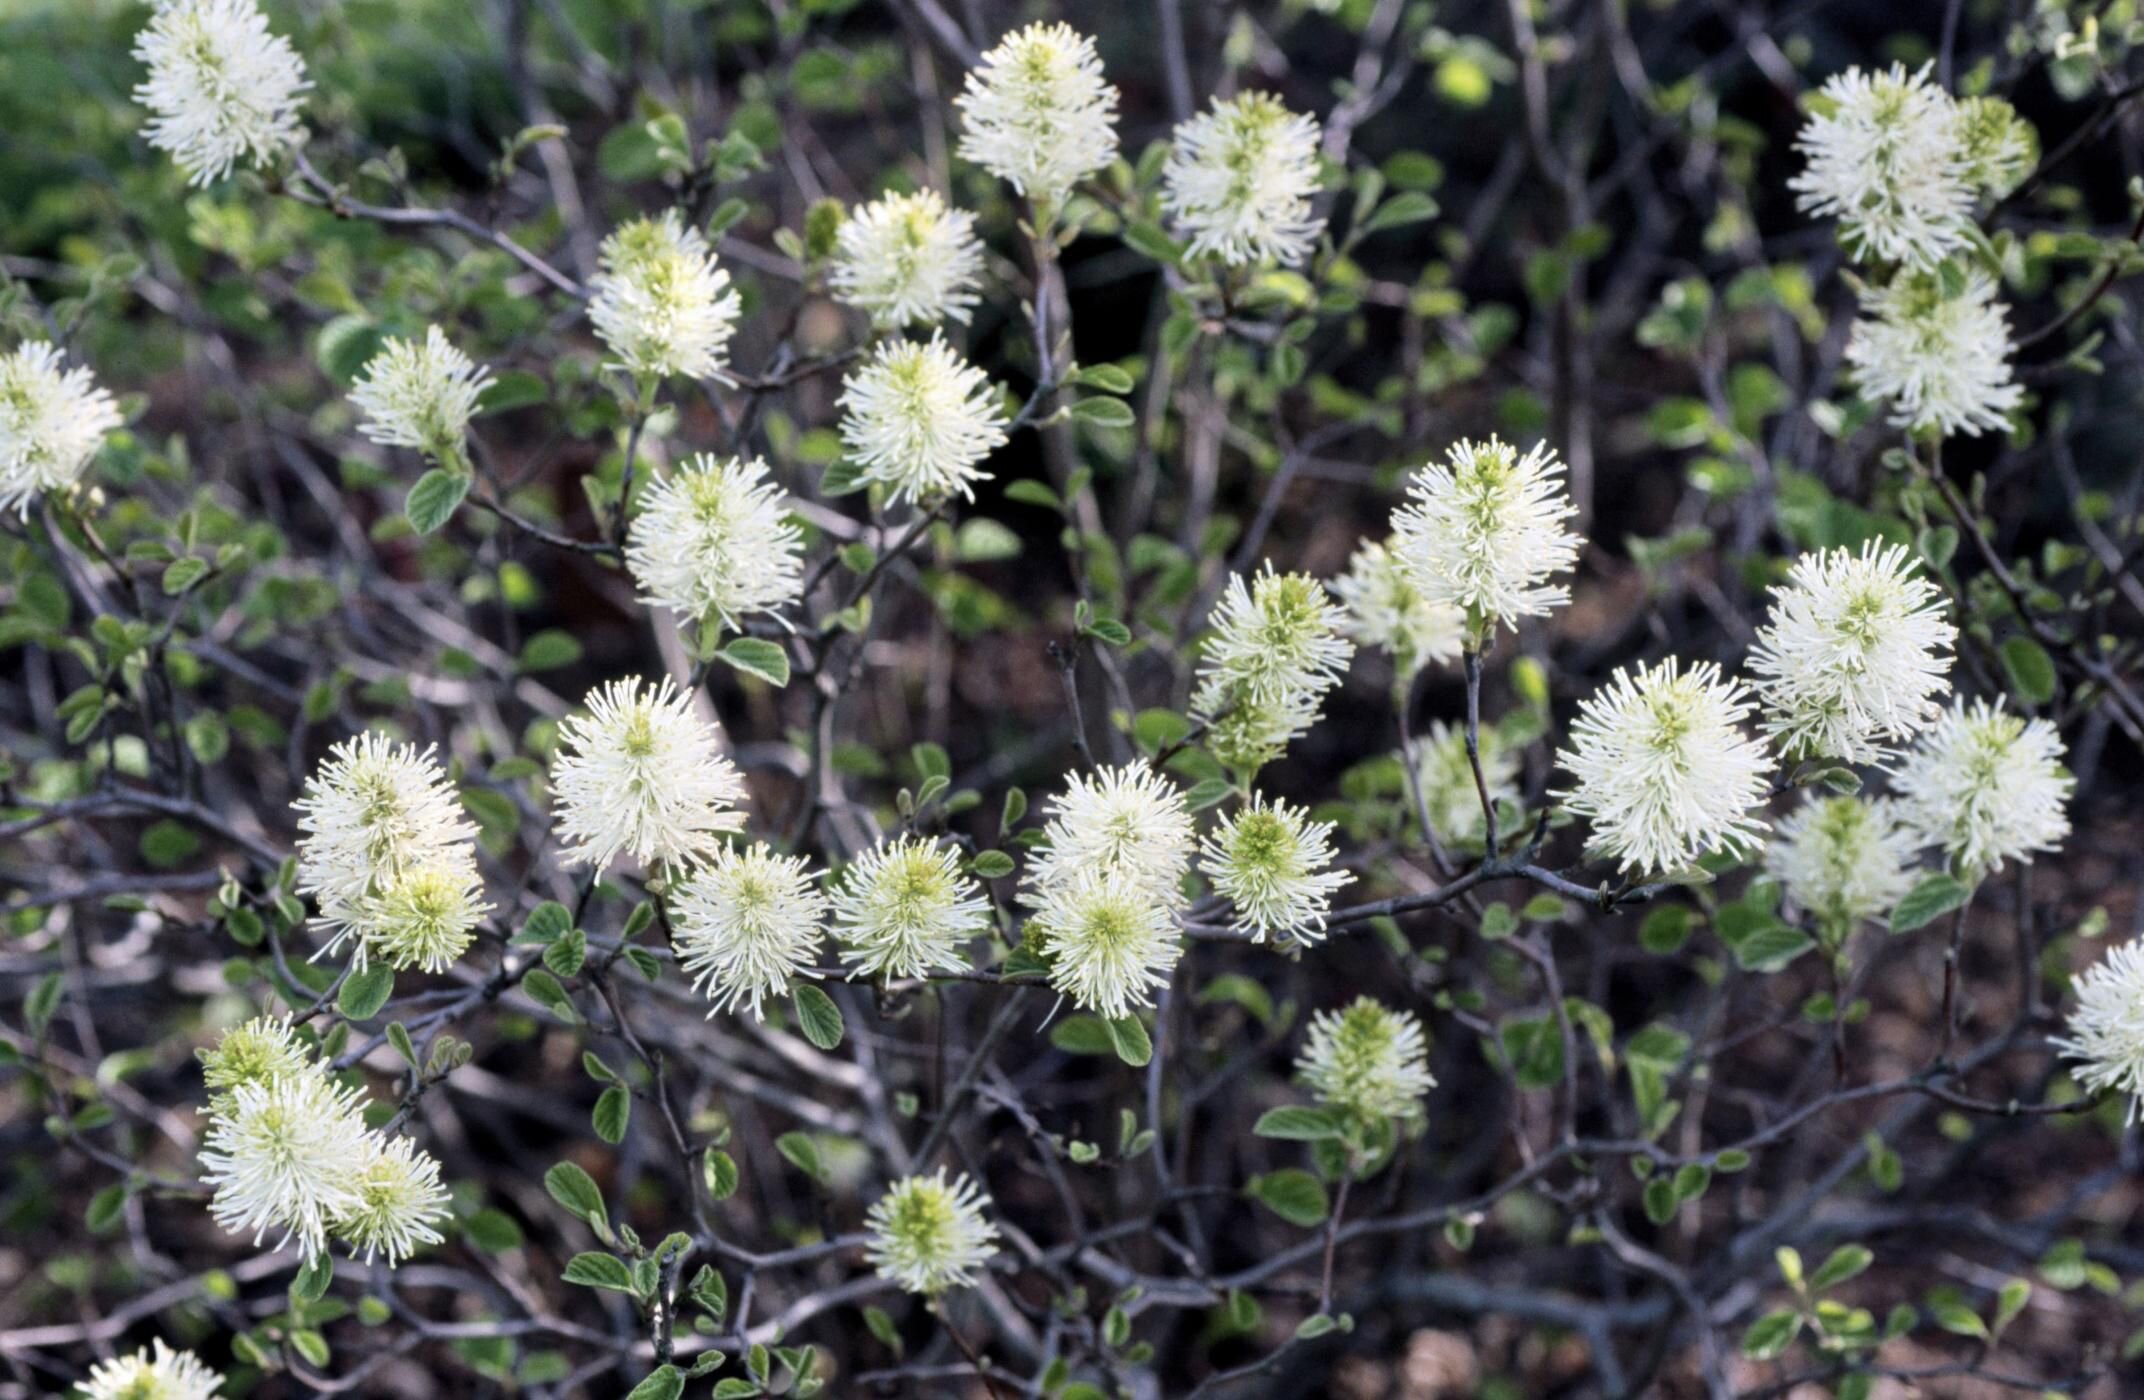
879	697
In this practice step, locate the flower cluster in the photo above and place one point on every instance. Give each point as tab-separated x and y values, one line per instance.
905	909
389	855
1275	650
1367	1060
287	1149
1987	786
1444	778
1844	859
1854	655
907	260
420	394
1387	611
52	421
1105	887
1037	112
1663	770
1272	863
746	924
159	1374
714	542
1940	356
641	773
1483	532
1239	180
2106	1031
919	418
1885	156
660	303
221	88
929	1234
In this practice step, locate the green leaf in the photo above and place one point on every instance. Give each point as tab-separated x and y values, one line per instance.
514	388
665	1382
366	992
544	990
759	657
1771	1334
493	1231
1928	901
1034	493
546	922
1104	412
719	1172
1108	629
1665	930
576	1191
106	1209
802	1153
182	574
991	865
433	500
1082	1035
548	650
1955	1317
1400	210
614	1111
1128	1035
879	1325
1235	987
1206	794
1844	1263
310	1283
2031	670
1772	946
818	1015
1295	1123
1108	378
596	1270
567	953
1292	1194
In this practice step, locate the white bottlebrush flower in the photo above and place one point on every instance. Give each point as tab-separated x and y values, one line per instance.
400	1202
1038	112
263	1049
641	773
1854	656
1239	181
1887	160
1109	942
907	260
1279	639
159	1374
919	418
1125	825
929	1234
284	1155
1987	786
1664	772
1367	1060
376	812
221	88
420	394
1844	859
1246	734
2000	146
2106	1031
1483	530
52	421
714	542
660	303
1273	864
1446	776
747	924
1386	611
1942	362
904	909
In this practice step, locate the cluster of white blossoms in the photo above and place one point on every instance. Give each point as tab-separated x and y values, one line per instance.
1275	650
52	421
1272	863
660	303
920	419
1987	786
1038	113
1444	772
2106	1031
1105	887
929	1234
1663	770
745	925
1483	532
1388	612
907	260
221	88
641	773
1885	156
1844	859
287	1149
1239	181
904	908
1939	356
420	394
1854	656
158	1374
389	855
714	542
1367	1060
